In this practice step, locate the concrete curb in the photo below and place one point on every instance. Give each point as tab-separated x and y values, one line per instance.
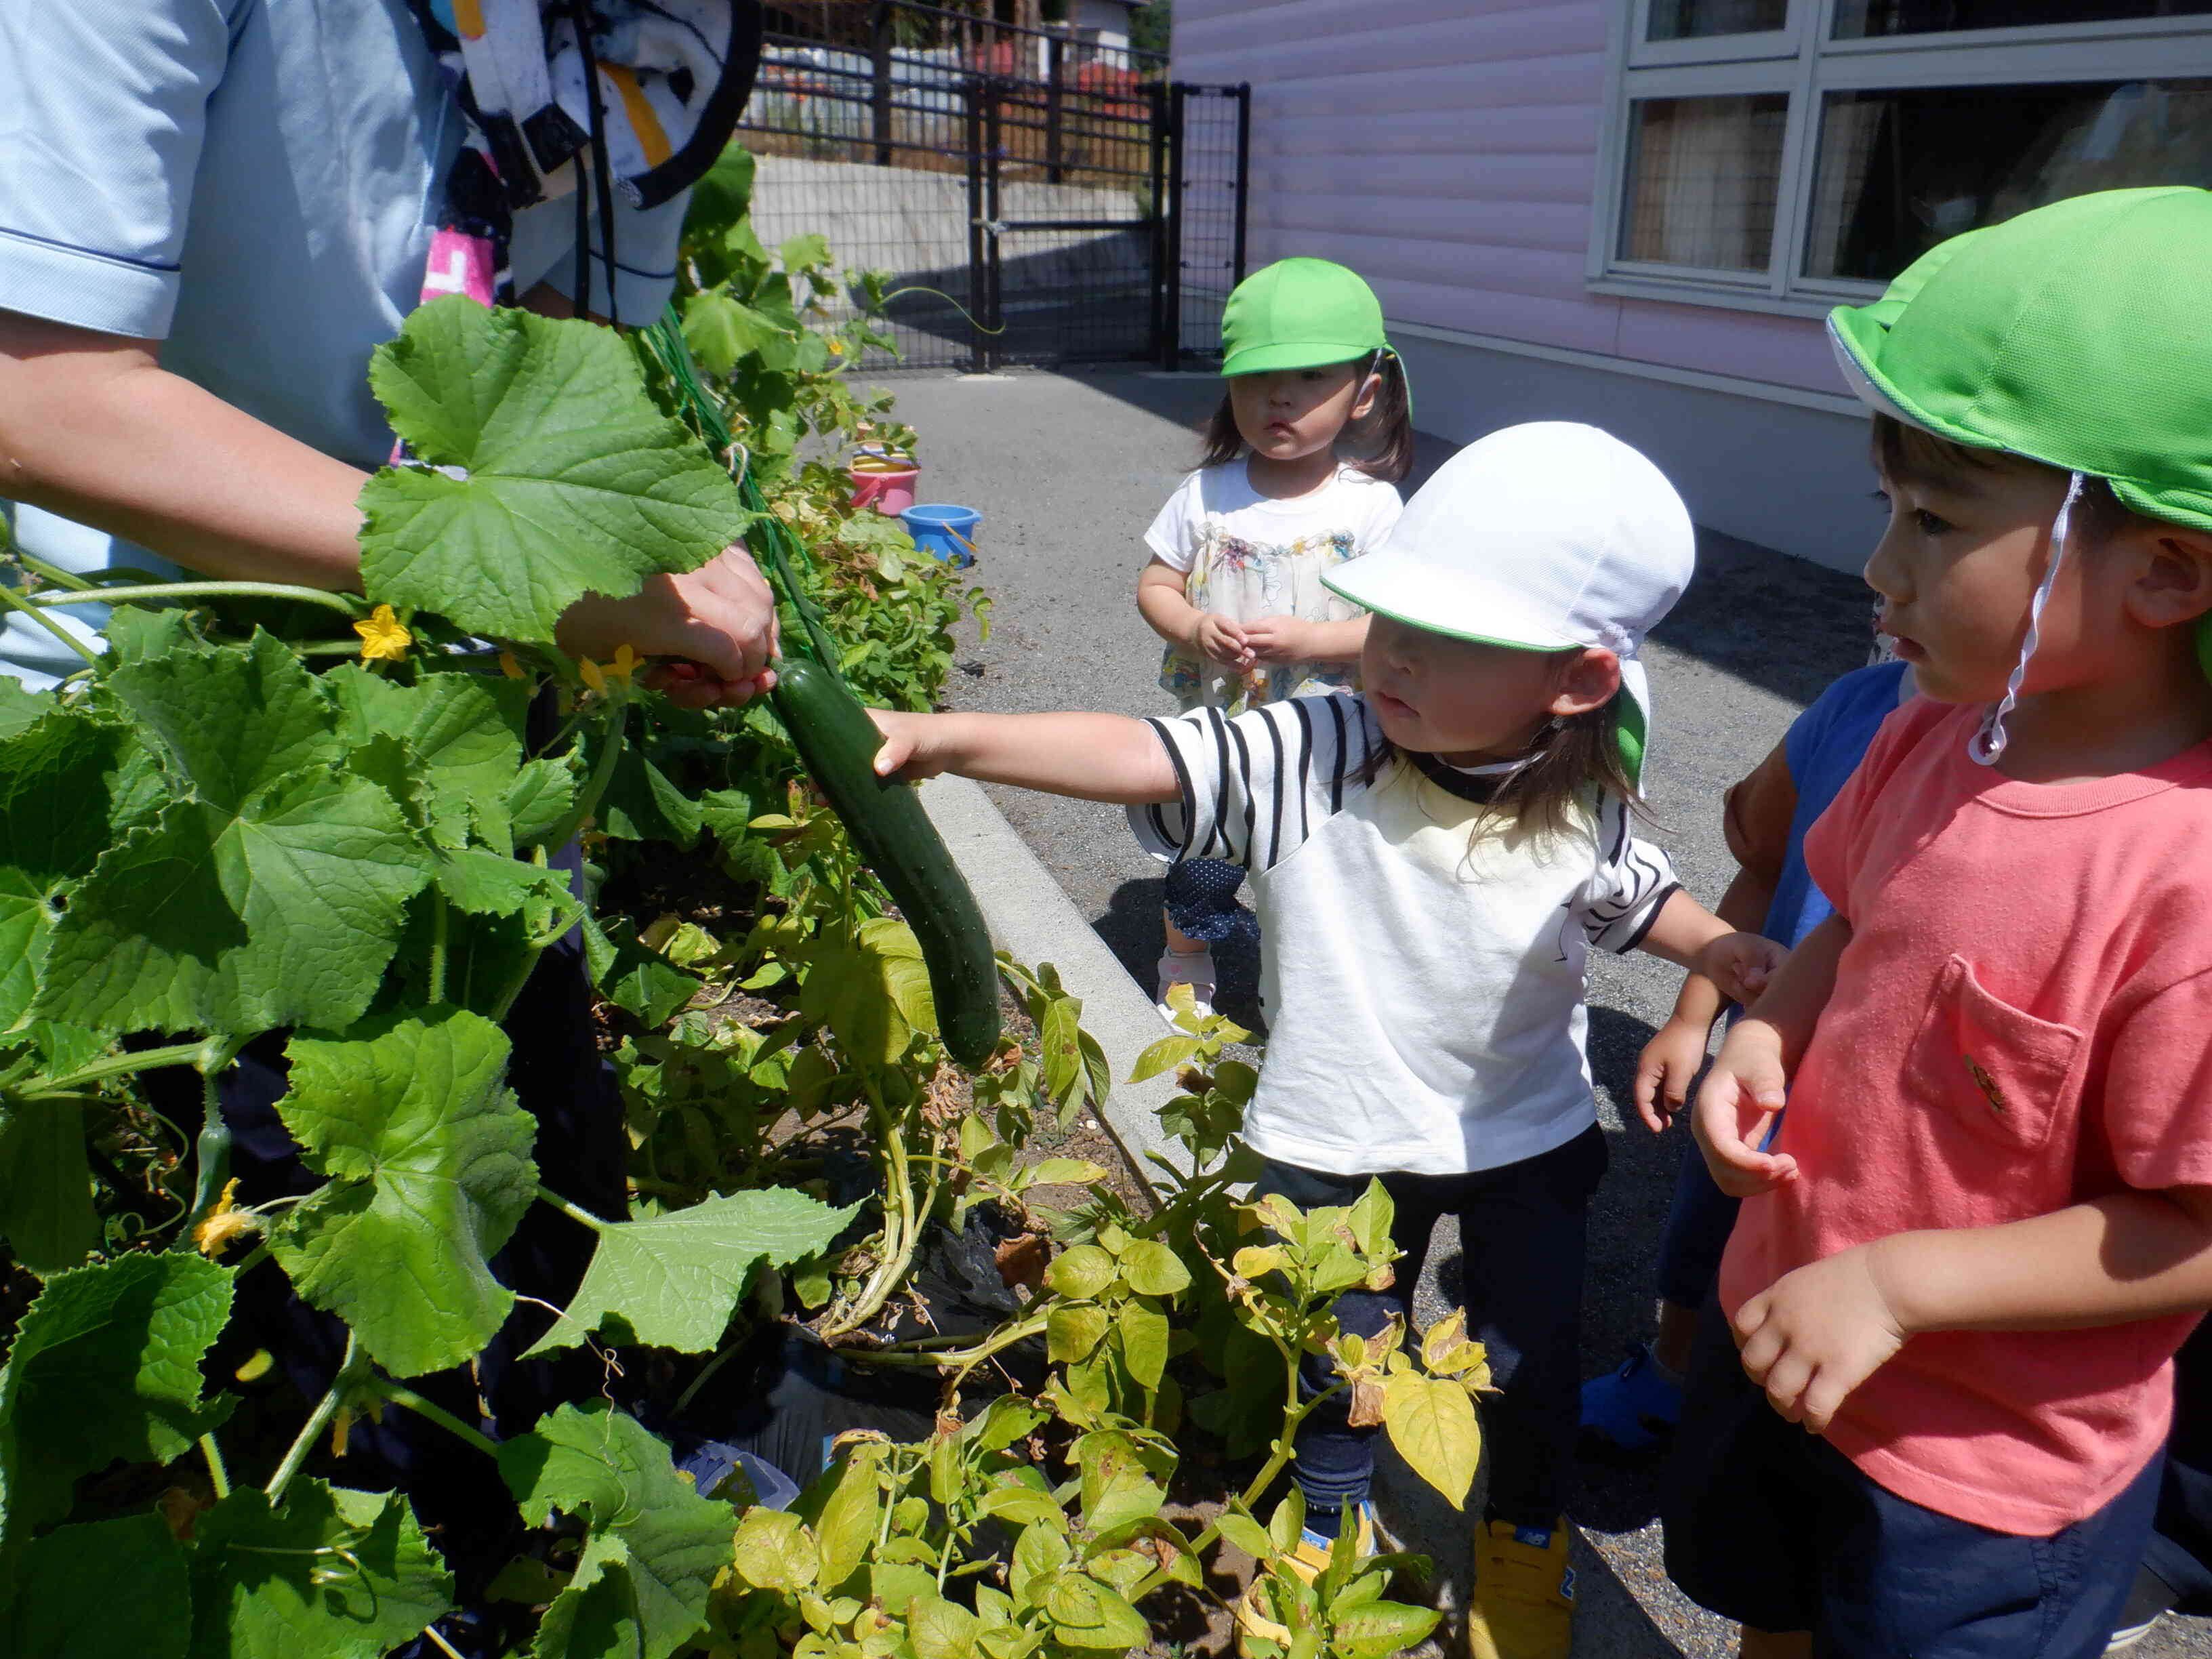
1030	918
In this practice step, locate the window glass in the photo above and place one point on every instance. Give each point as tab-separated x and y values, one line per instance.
1703	174
1693	19
1898	170
1866	20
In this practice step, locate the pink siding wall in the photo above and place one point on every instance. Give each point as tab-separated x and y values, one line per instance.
1447	150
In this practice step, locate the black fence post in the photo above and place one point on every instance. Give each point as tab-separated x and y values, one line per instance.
1243	169
879	88
994	150
1157	93
1171	345
1056	95
979	360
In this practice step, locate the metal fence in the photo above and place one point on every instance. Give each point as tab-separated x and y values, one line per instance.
1029	189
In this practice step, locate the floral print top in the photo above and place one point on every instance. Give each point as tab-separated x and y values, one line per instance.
1247	556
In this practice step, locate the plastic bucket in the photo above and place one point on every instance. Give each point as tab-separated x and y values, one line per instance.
942	531
885	482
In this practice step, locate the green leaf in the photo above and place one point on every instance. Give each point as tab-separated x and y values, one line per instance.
1247	1534
673	1281
57	778
66	1600
19	708
873	992
1381	1628
538	801
1431	1423
1111	1621
644	1518
233	721
847	1524
574	482
721	331
1143	1331
466	729
429	1163
721	197
774	1551
45	1188
488	883
1081	1272
1059	1048
283	914
271	1583
106	1364
641	804
1166	1053
640	981
1153	1269
809	248
1071	1333
938	1629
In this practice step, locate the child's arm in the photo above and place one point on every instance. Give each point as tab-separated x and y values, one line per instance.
1162	599
1107	758
1746	1086
1815	1334
1755	817
1291	639
1690	936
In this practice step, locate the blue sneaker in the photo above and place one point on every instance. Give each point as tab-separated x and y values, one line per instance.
1634	1409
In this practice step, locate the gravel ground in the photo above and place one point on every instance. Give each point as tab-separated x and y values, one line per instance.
1068	470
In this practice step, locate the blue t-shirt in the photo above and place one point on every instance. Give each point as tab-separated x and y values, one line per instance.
1824	747
254	184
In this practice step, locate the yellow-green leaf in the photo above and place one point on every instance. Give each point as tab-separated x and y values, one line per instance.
1431	1423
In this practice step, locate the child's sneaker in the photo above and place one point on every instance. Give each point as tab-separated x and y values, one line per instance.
1523	1605
1194	969
1635	1407
1309	1560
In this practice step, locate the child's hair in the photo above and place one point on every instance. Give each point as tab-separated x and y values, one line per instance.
1577	754
1382	439
1909	452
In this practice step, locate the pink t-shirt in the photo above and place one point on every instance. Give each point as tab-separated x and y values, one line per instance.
2022	1020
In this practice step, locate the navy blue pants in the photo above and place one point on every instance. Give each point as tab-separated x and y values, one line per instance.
1522	1238
1700	1219
1773	1526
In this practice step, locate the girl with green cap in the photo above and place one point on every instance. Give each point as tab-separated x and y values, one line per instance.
1234	584
1984	1226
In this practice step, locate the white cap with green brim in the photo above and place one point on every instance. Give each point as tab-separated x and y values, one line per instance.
1544	537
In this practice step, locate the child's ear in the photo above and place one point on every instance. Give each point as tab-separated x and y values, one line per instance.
1588	679
2173	584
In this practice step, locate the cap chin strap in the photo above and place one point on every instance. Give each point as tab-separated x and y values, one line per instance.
1988	744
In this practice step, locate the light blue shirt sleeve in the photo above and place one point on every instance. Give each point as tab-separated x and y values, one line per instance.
100	137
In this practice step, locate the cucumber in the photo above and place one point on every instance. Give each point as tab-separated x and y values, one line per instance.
837	742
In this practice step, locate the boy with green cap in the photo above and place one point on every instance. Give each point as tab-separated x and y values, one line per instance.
1986	1224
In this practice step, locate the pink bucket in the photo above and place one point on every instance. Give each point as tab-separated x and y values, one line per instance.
885	482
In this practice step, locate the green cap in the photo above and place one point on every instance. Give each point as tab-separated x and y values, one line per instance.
2075	335
1299	313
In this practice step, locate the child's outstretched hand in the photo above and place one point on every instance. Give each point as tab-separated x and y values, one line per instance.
1665	1070
1280	639
908	750
1222	640
1736	1106
1815	1334
1741	964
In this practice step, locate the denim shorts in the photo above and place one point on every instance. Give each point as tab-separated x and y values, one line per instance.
1772	1525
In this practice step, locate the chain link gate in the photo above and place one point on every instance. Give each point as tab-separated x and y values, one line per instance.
1040	195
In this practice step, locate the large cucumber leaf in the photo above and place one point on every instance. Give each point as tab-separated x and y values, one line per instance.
654	1544
548	473
333	1574
111	1590
268	890
673	1281
106	1364
465	730
45	1185
57	780
429	1163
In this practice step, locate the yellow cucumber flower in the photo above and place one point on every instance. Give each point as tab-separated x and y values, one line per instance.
384	637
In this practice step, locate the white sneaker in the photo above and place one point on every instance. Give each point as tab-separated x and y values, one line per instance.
1195	970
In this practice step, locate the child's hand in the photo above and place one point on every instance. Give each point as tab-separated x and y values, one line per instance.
1665	1070
1221	640
1280	639
1815	1334
1741	964
1735	1108
908	749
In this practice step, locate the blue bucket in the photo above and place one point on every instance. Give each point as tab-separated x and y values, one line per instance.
944	531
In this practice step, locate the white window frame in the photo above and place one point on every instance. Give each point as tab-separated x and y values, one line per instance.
1802	63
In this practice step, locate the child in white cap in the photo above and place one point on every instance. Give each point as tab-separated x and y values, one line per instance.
1432	859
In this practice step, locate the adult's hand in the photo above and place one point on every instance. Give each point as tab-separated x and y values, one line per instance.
718	621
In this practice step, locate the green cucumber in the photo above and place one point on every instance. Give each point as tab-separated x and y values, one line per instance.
837	743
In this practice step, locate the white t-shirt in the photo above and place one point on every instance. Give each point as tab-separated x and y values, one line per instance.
1421	964
1247	556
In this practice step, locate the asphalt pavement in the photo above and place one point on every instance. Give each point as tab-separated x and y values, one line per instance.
1068	470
